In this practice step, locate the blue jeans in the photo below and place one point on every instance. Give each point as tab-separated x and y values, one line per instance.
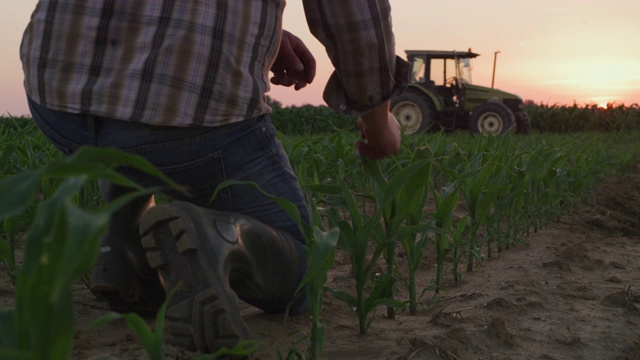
198	158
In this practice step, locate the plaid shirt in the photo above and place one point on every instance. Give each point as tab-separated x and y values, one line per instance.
197	63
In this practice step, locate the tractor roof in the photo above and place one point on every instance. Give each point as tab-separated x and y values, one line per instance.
438	54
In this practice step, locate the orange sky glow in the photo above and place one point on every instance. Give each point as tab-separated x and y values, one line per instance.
551	51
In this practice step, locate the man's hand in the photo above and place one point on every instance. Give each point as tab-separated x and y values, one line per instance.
381	131
294	64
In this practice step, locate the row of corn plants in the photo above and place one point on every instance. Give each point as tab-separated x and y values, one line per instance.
575	118
507	186
455	198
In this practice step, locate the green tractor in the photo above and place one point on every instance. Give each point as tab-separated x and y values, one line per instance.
439	98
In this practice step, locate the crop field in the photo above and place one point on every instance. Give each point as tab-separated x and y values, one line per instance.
458	247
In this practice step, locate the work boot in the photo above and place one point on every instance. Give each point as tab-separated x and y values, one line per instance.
122	276
211	258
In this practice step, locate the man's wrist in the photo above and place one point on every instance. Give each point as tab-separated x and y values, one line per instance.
377	116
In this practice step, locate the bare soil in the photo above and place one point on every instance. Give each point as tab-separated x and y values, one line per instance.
569	291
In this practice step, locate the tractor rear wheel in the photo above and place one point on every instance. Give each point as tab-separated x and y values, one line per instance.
491	118
414	111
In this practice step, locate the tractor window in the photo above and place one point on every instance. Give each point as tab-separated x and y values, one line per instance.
417	73
442	70
464	68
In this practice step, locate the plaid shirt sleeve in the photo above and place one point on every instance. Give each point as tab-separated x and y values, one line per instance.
359	40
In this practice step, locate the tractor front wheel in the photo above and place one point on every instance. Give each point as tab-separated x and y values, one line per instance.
491	118
523	123
414	112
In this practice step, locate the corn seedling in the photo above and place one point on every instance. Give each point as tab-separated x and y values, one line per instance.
61	245
479	195
402	199
355	236
446	201
8	248
320	254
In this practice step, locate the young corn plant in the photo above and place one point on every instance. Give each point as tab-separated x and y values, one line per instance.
60	246
22	149
8	250
403	198
331	174
321	252
514	203
508	208
538	163
479	196
446	201
499	152
499	197
357	232
58	249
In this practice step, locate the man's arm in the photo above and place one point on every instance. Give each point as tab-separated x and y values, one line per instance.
359	40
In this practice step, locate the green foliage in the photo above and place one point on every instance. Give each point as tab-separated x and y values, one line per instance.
60	246
446	201
321	251
508	184
482	183
403	199
24	148
56	252
307	120
488	194
355	236
7	249
572	119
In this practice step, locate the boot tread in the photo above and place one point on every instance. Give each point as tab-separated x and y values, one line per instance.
203	312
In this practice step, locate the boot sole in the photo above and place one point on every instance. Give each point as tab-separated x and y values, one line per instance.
203	312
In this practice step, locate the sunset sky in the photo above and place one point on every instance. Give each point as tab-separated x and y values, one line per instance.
551	51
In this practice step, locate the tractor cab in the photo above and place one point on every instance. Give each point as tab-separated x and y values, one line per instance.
445	73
